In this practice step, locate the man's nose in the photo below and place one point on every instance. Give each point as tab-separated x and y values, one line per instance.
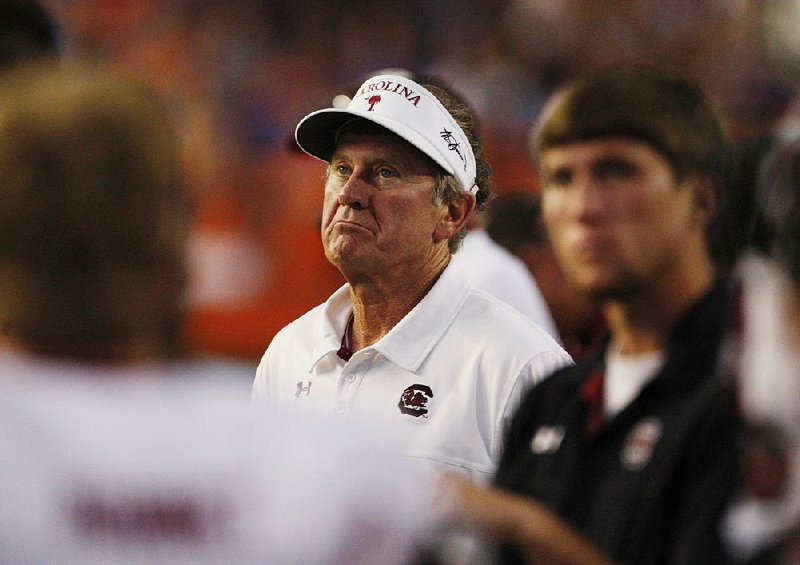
588	200
355	193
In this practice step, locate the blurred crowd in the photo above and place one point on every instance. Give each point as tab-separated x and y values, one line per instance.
168	247
240	76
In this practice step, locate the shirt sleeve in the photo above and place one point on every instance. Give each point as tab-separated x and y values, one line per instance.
712	477
536	370
260	394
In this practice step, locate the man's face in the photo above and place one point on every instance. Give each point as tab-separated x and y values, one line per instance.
617	218
378	213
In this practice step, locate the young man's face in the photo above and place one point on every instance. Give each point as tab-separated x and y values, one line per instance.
378	213
616	215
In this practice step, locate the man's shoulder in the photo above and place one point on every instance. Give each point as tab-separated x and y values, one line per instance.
305	320
292	347
303	329
496	317
562	385
502	342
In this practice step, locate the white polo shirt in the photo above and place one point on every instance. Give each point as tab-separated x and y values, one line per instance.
139	465
494	269
440	386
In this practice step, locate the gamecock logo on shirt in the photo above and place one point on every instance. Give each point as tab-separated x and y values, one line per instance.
414	400
302	390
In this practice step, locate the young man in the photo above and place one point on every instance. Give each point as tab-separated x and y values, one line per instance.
631	454
407	346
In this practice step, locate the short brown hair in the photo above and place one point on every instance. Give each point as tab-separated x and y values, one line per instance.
654	105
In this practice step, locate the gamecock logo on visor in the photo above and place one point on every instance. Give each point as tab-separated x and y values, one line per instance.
372	100
414	400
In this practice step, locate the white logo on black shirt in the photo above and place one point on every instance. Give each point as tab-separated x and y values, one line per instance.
638	447
547	439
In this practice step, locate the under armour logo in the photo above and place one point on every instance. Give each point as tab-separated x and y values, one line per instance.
453	145
372	100
303	389
547	439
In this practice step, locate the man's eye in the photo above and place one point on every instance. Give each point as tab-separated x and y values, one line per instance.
559	177
615	168
386	173
342	170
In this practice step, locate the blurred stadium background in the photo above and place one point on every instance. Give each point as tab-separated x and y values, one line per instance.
239	75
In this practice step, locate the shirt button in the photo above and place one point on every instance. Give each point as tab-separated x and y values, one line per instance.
341	409
350	378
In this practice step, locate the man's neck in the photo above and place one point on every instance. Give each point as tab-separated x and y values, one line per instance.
380	304
644	322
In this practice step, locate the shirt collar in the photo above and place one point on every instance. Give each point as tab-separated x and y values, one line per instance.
694	342
336	312
411	340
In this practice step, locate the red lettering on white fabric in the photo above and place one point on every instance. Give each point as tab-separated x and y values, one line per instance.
395	88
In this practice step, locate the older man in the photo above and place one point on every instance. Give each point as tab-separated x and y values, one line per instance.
407	345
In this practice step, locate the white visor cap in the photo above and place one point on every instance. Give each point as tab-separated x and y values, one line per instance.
403	107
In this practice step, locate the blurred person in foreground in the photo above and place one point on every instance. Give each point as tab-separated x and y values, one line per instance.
27	33
629	456
110	452
514	221
408	346
763	523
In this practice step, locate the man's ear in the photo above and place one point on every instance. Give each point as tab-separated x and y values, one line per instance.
454	216
707	196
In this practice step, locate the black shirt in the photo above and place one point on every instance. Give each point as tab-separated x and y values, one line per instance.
652	484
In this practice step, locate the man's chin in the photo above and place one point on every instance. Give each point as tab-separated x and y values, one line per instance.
343	249
351	265
600	290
